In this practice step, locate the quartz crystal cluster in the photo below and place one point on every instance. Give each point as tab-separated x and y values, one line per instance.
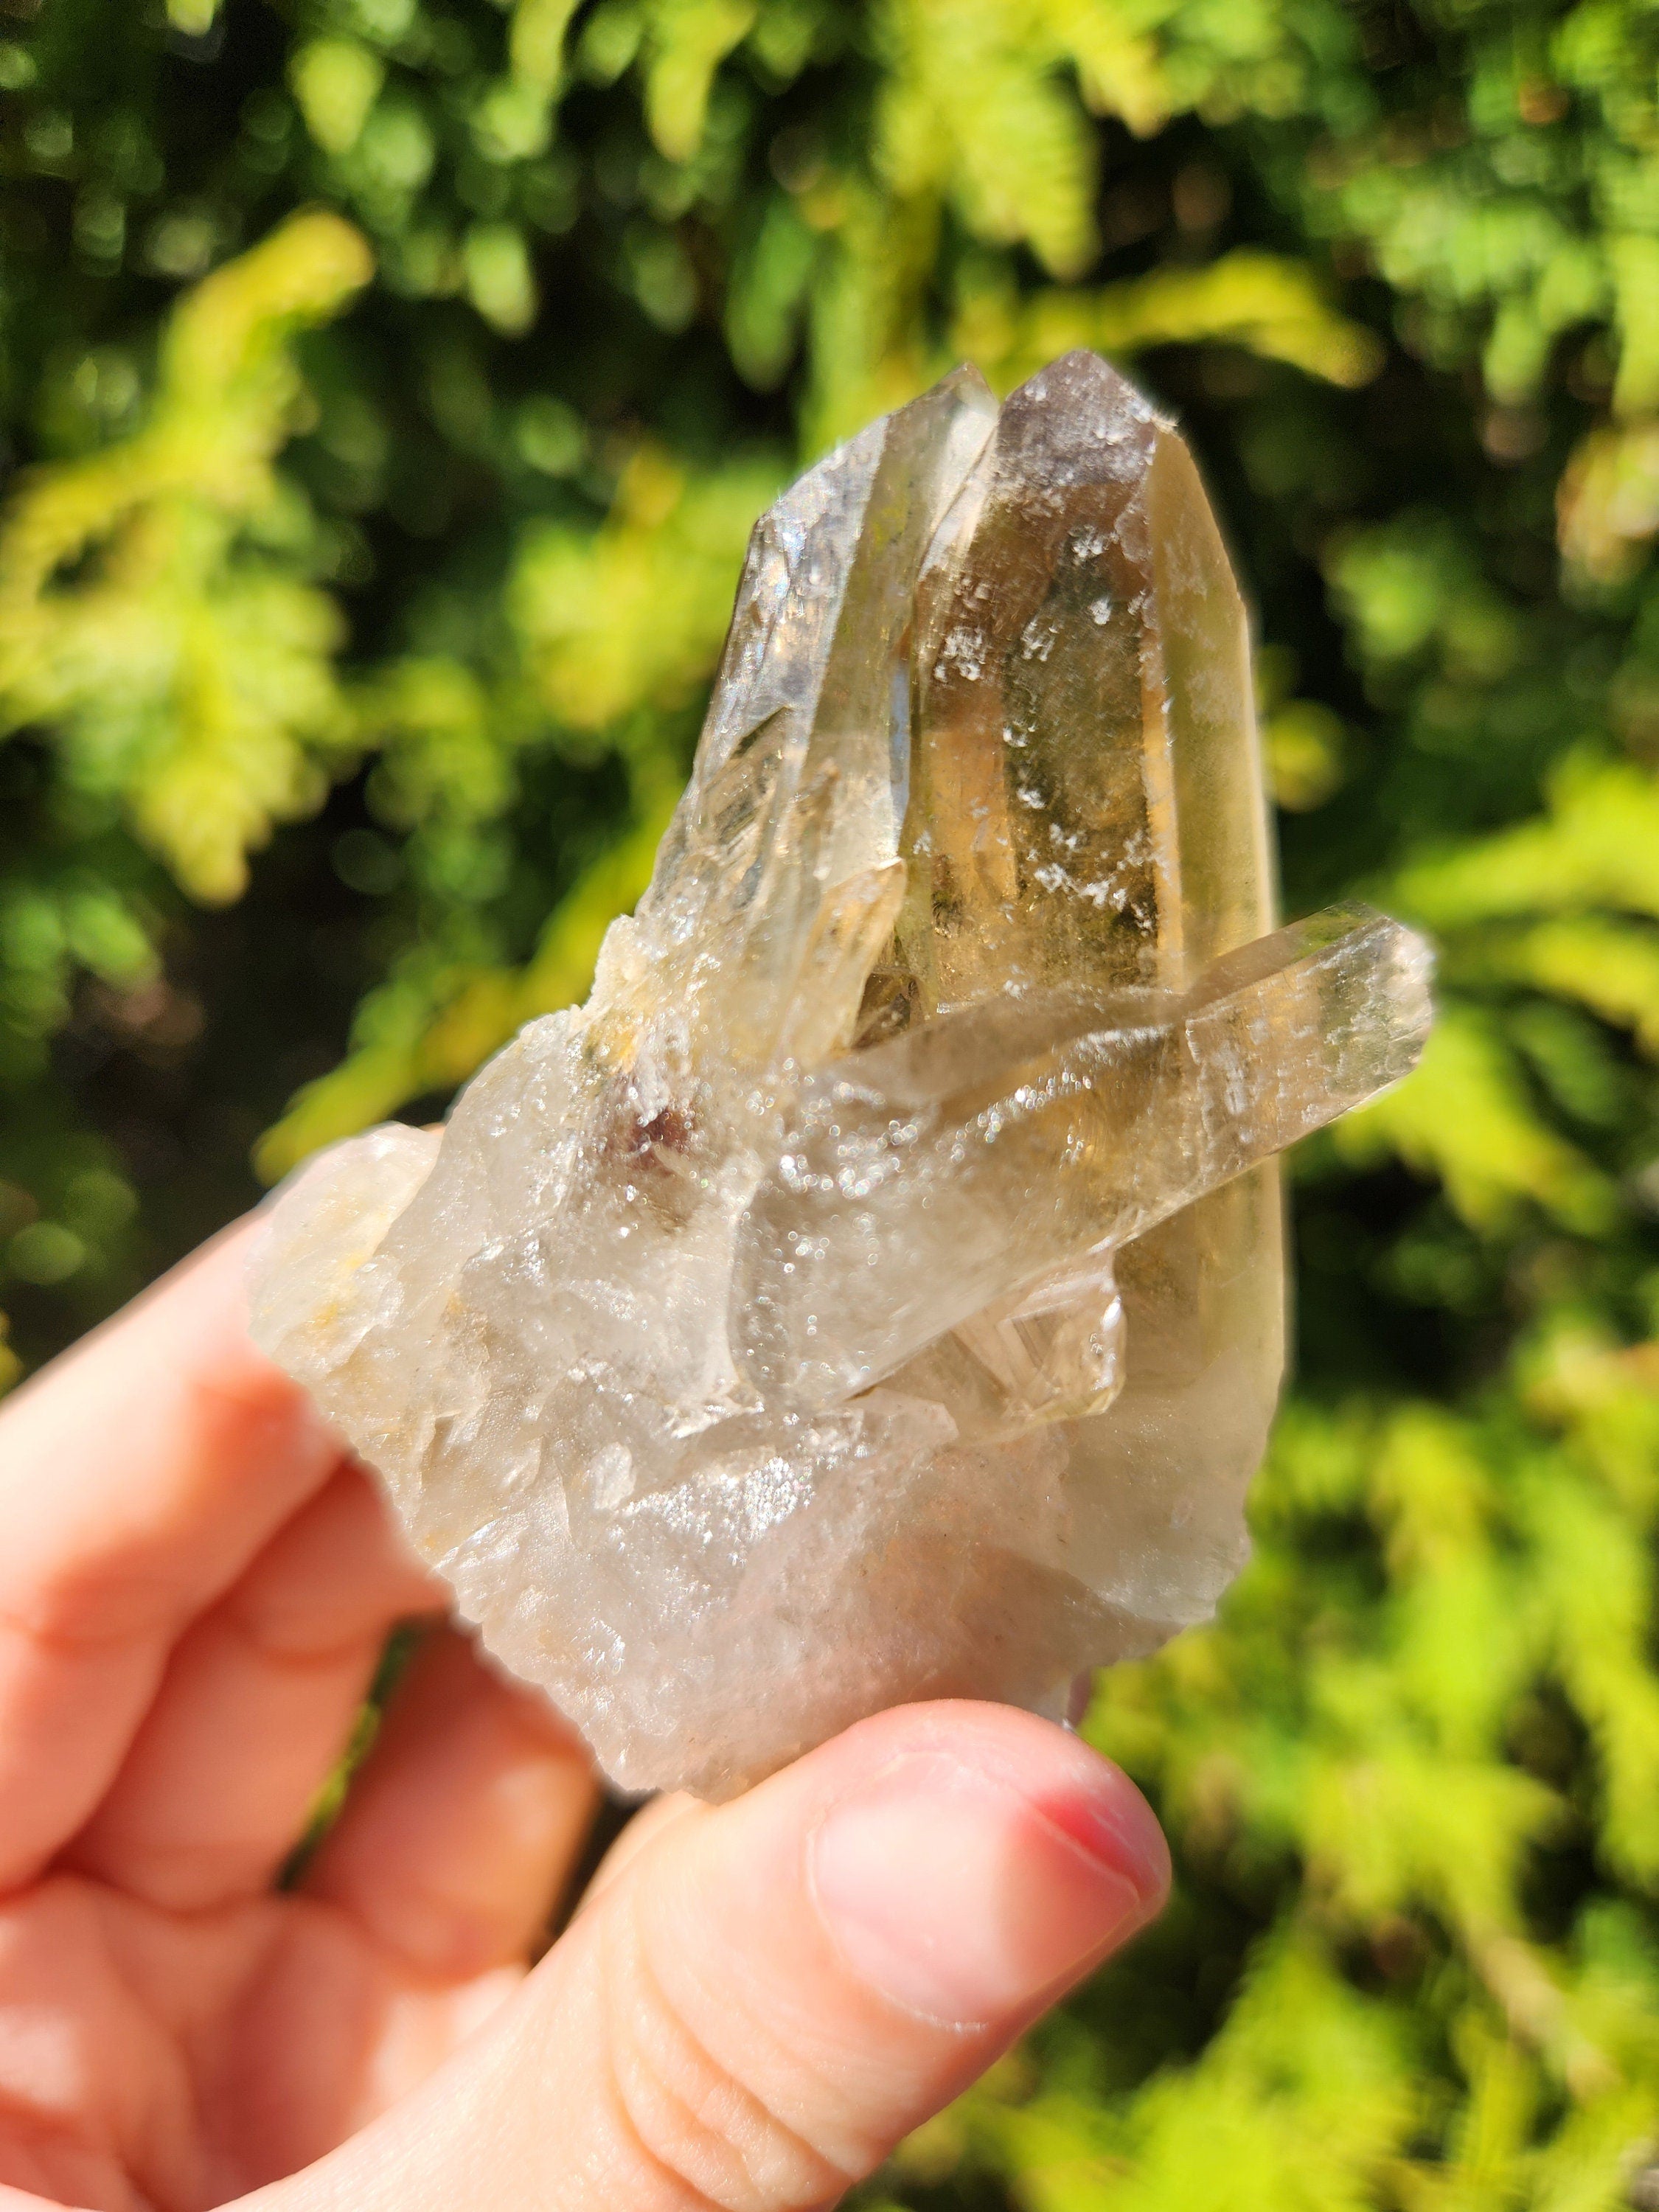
875	1290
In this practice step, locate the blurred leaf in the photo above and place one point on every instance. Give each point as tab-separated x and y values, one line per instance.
1258	301
1465	1117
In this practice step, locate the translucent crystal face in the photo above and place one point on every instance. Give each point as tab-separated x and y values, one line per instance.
875	1291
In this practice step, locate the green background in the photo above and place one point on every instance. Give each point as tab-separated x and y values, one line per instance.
388	387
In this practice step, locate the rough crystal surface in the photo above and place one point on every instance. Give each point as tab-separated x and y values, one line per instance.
875	1290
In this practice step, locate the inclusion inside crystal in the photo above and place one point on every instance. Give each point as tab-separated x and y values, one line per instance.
875	1290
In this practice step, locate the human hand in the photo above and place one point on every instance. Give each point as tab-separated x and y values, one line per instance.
753	2003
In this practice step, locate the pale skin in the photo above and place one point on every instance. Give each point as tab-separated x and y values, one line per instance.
752	2004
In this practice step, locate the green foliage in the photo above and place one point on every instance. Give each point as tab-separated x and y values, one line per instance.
392	384
187	671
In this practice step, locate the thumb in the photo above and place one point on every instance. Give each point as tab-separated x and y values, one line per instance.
768	1994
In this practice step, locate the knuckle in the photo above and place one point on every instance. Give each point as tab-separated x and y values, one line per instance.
275	1627
714	2143
87	1610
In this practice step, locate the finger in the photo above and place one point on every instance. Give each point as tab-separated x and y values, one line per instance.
461	1831
256	1706
138	1476
643	1829
774	1991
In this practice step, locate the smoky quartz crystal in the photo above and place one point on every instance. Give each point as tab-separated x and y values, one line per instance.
875	1290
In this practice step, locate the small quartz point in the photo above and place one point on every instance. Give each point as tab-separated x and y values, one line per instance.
876	1291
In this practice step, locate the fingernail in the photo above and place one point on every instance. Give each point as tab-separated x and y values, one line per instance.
970	1897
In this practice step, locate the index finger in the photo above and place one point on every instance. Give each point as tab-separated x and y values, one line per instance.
139	1474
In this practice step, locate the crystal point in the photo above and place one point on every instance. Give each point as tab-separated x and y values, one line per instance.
875	1290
